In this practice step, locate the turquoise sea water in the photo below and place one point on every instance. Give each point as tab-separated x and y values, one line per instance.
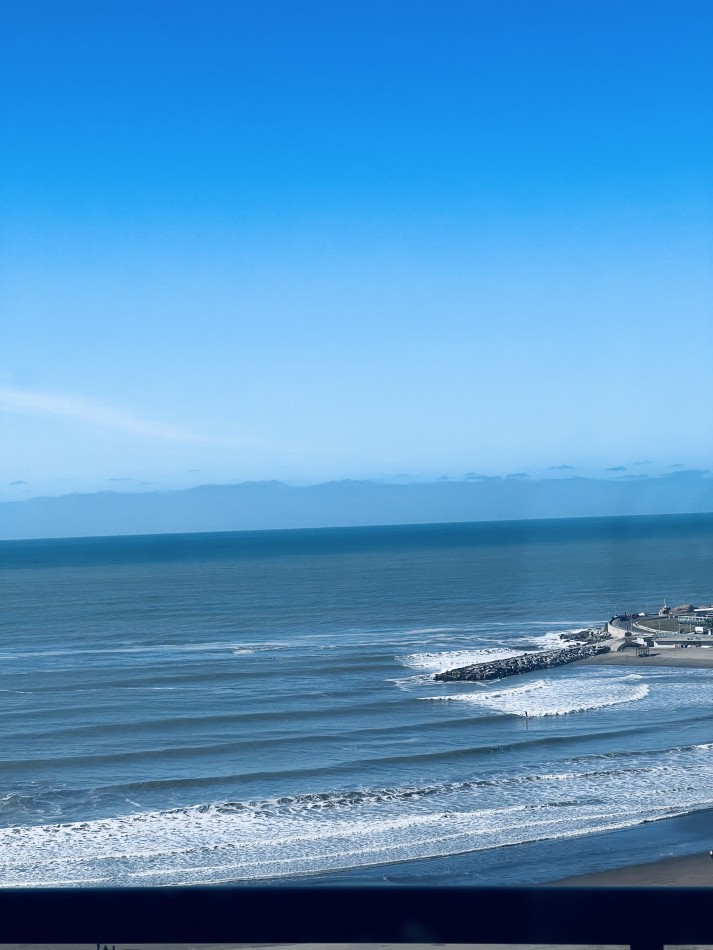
260	706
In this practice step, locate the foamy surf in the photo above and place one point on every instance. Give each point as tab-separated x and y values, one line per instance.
302	835
552	639
438	662
521	641
558	696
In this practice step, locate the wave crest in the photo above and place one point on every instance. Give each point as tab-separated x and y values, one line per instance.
556	697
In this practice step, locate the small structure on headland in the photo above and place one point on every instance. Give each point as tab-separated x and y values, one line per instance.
685	625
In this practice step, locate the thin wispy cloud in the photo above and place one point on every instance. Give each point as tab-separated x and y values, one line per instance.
97	414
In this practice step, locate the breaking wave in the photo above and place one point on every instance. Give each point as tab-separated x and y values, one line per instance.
306	834
554	697
517	643
449	659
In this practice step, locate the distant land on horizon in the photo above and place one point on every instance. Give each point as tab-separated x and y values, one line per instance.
271	504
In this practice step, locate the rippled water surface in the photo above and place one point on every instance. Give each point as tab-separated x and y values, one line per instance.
261	706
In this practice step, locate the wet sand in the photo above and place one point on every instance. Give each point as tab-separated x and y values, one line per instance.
693	658
692	870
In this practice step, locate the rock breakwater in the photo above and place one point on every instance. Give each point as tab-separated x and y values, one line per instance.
526	663
588	635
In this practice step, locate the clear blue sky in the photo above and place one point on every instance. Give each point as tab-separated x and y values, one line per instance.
312	240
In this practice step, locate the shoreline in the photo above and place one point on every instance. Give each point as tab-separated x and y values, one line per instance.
668	869
690	870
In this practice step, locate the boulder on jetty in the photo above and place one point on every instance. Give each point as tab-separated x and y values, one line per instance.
588	635
526	663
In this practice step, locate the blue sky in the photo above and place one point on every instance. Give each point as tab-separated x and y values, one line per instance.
314	240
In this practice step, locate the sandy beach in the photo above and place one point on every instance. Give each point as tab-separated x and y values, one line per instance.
693	870
692	658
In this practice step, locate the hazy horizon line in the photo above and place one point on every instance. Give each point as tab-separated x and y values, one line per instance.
618	474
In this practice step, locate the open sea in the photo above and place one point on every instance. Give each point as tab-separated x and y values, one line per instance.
259	706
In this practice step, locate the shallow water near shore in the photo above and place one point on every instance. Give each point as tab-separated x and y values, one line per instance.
260	706
551	861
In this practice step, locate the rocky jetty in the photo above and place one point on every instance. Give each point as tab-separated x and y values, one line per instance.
526	663
588	635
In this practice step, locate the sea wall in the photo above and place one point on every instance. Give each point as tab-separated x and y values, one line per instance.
527	663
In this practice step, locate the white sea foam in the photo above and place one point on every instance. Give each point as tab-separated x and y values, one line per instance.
545	641
450	659
408	683
552	640
555	697
439	661
198	647
519	642
214	843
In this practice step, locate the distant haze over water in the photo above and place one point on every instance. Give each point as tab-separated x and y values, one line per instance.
273	505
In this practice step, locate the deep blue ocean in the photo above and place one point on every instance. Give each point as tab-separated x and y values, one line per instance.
259	706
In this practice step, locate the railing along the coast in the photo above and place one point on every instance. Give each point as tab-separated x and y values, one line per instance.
642	918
